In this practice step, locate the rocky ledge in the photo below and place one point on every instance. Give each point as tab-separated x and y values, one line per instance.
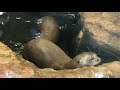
101	34
13	66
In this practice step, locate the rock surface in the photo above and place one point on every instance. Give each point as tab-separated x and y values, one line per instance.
101	33
12	66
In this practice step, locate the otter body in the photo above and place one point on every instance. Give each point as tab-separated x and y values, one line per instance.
83	59
46	54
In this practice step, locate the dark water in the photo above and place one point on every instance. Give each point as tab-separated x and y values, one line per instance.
17	28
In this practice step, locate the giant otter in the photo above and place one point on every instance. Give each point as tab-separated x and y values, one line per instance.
83	59
46	54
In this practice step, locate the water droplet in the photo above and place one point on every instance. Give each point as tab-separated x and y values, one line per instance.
28	21
39	21
1	13
18	18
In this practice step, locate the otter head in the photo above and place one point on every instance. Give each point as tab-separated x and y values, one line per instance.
86	59
83	59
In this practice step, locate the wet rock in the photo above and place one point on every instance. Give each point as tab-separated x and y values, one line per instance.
12	66
101	34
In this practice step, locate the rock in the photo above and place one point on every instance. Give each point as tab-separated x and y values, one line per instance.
101	34
12	66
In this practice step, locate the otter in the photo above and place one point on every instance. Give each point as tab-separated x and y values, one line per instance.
83	59
49	28
45	54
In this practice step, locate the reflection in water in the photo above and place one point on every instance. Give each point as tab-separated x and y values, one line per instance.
4	18
17	31
1	33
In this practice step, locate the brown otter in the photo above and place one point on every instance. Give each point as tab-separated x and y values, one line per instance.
83	59
49	28
46	54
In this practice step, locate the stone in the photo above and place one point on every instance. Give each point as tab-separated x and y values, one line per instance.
13	66
101	34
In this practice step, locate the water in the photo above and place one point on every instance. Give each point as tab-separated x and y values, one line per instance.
17	28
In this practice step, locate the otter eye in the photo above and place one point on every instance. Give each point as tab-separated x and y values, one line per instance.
78	61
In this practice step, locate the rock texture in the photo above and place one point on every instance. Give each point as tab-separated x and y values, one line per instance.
12	66
101	33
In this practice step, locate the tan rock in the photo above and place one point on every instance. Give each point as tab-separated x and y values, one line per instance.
12	65
16	67
103	28
102	32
